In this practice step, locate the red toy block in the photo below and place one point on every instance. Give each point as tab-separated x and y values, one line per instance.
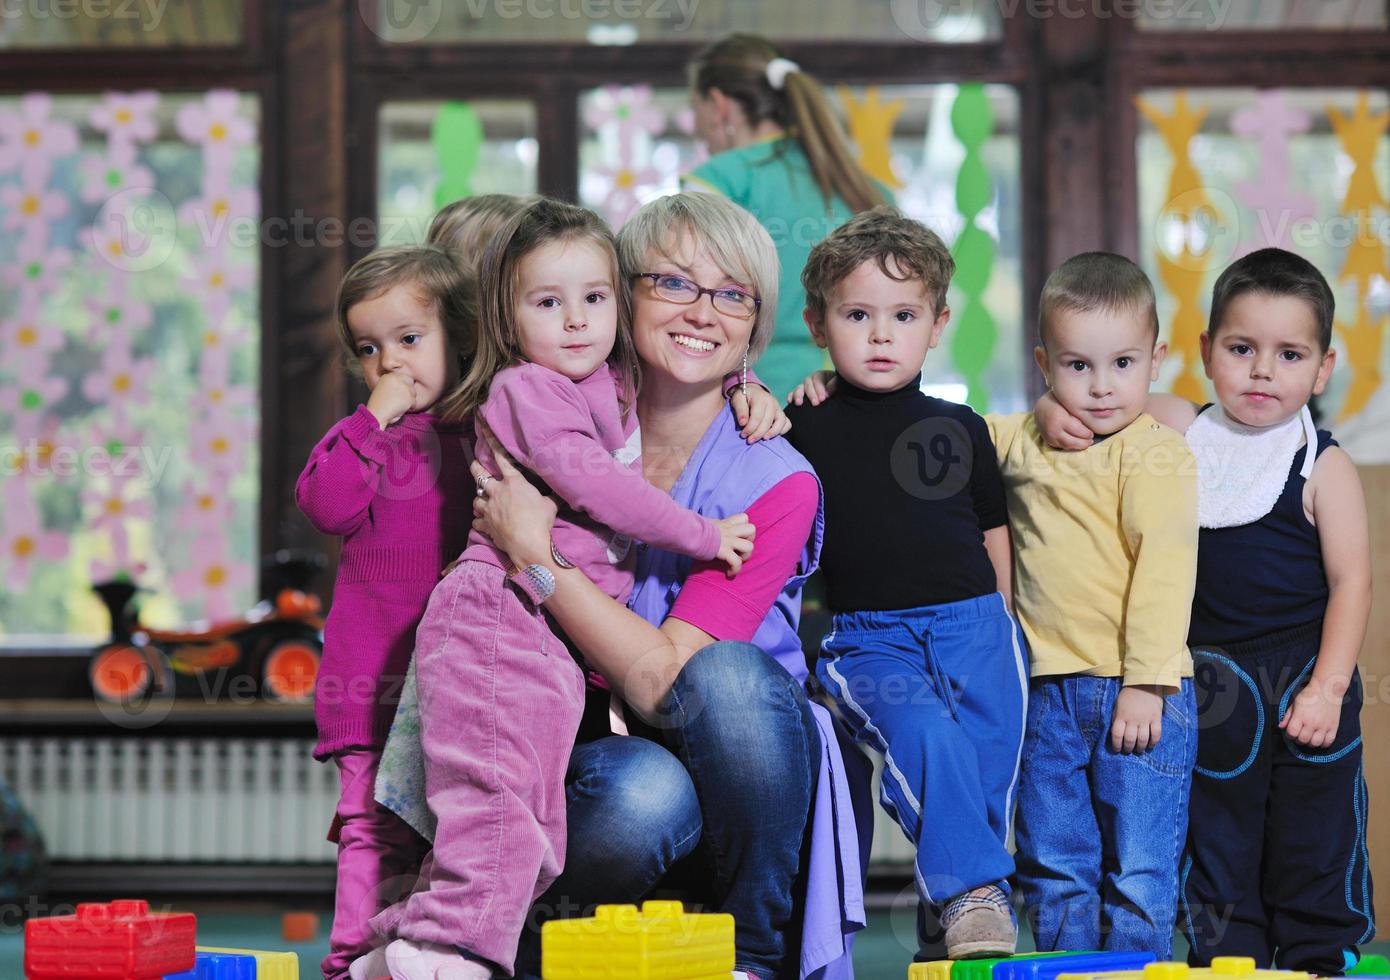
121	940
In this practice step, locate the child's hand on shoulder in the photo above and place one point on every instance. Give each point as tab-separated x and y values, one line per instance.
393	396
735	542
1061	429
758	413
1314	716
817	387
1138	722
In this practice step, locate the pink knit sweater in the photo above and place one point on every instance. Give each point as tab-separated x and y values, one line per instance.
402	501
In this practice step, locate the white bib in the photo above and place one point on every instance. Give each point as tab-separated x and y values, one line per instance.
1242	469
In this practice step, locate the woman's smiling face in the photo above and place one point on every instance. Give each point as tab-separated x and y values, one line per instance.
690	344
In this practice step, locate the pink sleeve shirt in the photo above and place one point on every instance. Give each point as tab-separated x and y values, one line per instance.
733	609
571	437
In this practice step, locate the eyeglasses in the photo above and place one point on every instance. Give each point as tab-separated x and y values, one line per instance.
678	289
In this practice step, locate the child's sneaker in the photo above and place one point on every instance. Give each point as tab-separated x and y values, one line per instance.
979	923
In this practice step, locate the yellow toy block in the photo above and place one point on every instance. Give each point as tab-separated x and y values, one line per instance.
932	970
1222	968
269	966
661	942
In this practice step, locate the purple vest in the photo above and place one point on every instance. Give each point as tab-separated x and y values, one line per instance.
725	476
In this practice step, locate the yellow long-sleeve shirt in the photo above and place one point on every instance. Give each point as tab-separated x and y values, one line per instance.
1105	549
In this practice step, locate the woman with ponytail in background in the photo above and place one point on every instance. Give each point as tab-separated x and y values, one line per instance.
778	151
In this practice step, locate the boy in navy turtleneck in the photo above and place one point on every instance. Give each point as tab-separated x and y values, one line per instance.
924	658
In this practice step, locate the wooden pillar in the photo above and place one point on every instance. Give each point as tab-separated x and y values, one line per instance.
1064	154
306	253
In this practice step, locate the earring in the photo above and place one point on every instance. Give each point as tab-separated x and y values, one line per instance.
743	380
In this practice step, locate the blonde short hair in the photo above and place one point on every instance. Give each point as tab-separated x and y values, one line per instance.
733	239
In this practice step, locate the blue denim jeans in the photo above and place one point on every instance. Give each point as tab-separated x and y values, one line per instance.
1100	831
735	777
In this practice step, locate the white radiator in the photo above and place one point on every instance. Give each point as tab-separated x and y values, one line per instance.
211	799
175	799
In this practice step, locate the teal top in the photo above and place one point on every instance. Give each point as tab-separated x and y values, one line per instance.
772	179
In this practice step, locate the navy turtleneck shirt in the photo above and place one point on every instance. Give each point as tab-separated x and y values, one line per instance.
911	485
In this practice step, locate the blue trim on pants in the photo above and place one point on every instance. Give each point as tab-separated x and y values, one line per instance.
941	691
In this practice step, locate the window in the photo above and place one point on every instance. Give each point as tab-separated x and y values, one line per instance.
1226	171
431	153
129	355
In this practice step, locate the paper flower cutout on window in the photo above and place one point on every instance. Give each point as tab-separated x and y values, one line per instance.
24	541
214	576
127	117
624	184
30	139
37	269
27	343
215	273
31	209
624	107
219	214
116	317
110	509
30	399
121	380
219	443
213	397
203	511
216	121
107	174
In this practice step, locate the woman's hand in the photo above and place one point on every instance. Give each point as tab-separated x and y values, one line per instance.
510	511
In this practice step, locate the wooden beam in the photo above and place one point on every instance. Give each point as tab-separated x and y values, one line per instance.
304	386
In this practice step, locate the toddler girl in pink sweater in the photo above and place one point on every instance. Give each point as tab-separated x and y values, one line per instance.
389	479
499	694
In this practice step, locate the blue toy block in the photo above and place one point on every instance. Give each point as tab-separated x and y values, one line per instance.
1054	966
219	966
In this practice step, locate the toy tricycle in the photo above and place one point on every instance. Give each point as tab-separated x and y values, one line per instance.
277	644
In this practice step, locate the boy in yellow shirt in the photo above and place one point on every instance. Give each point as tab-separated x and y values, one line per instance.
1105	552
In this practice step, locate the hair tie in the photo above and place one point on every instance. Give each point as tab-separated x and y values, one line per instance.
777	71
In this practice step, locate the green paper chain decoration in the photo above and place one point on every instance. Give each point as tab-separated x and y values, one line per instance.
457	135
975	332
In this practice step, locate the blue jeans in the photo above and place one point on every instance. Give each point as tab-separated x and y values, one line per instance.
1099	831
735	777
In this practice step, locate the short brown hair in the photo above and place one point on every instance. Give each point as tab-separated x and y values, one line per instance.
467	225
436	276
1275	272
880	234
1095	281
499	276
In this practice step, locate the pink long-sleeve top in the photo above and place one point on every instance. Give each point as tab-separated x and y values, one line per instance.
571	436
400	498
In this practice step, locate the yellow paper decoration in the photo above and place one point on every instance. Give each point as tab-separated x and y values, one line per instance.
1183	275
1363	340
1360	134
871	127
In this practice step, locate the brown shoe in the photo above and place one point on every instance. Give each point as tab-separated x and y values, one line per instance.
979	923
